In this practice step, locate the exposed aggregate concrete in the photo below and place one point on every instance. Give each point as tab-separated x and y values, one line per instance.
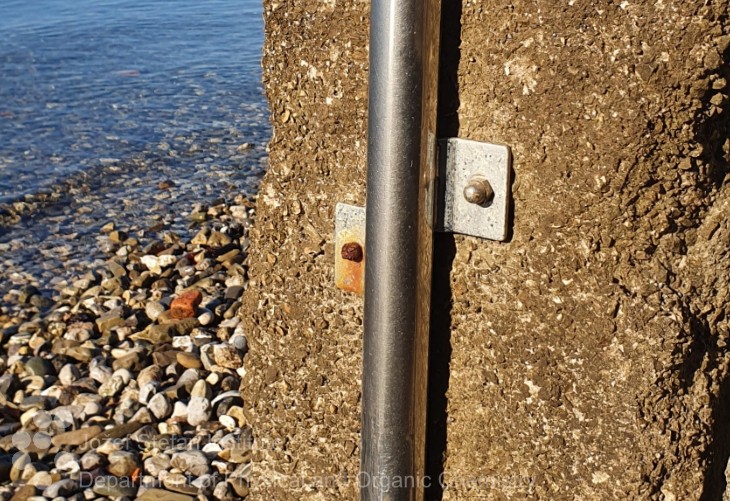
586	358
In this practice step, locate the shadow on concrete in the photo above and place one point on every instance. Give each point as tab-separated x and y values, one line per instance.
712	133
444	252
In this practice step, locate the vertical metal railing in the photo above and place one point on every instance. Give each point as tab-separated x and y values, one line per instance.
404	41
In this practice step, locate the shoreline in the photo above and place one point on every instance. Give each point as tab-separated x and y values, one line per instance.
53	235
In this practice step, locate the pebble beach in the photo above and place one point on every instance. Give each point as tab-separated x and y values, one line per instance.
127	384
123	260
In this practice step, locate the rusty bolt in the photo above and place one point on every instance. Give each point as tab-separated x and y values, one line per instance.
352	251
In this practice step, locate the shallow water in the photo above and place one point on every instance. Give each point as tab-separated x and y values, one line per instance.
88	81
101	100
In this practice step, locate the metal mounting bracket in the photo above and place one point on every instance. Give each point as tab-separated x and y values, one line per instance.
350	248
475	193
473	198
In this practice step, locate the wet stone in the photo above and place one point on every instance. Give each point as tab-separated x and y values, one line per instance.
26	293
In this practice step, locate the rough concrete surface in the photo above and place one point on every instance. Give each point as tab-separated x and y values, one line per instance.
305	334
587	357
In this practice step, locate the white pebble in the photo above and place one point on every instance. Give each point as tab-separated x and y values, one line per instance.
199	410
159	406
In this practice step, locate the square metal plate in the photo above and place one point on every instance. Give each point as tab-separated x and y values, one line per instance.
460	160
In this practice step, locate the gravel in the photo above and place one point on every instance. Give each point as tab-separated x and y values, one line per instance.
108	394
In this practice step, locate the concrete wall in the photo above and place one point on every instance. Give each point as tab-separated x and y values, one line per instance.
586	358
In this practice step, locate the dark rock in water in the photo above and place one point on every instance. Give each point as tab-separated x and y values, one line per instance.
40	301
118	236
26	293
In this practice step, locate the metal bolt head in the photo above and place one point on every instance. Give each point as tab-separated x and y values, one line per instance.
478	191
352	251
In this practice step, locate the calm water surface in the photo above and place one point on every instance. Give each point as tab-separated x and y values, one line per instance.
127	111
85	83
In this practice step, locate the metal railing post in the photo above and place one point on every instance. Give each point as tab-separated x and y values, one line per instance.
404	43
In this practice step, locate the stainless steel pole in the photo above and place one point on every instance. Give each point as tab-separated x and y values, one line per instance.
404	42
